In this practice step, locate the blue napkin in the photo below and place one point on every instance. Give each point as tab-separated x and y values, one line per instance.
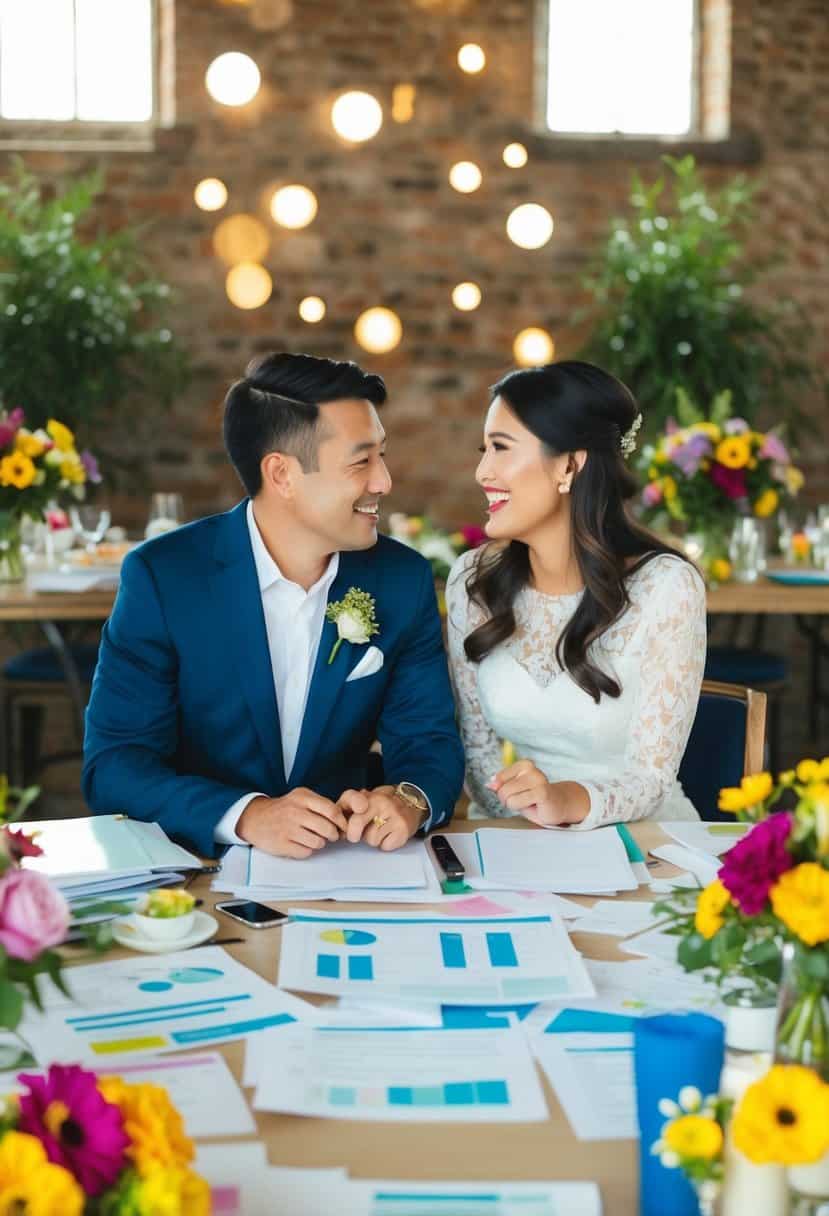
669	1051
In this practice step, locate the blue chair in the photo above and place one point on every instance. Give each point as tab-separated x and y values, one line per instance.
31	681
726	744
758	669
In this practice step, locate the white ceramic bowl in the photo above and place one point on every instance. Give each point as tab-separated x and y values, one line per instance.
164	928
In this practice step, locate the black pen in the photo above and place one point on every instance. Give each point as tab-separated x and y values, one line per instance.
447	858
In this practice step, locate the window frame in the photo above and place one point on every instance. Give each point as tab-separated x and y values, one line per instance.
25	134
541	77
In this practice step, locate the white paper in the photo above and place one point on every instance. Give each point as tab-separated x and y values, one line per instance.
592	1075
710	839
201	1087
100	847
341	864
237	1175
704	869
148	1005
569	863
439	1198
653	944
467	1076
431	958
616	917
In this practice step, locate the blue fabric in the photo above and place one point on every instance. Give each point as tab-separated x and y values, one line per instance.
733	665
183	720
669	1051
715	753
43	663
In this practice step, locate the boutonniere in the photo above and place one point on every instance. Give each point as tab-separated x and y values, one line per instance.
354	617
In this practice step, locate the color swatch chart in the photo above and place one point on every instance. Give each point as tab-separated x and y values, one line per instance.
397	1074
428	958
158	1004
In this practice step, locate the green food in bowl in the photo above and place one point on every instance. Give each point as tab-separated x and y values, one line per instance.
165	904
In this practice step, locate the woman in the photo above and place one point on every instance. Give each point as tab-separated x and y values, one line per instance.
574	633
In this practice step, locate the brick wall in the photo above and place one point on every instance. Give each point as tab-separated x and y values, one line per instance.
390	228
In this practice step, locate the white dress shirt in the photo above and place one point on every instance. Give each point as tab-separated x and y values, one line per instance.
293	622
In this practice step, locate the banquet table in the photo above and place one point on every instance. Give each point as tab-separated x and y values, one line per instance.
500	1152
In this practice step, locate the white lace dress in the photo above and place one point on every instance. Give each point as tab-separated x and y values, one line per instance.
626	750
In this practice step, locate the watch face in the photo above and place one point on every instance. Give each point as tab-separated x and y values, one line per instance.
407	790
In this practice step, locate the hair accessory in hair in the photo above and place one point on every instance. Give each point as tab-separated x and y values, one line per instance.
628	440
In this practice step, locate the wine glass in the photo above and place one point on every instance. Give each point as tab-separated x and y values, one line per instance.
166	513
91	520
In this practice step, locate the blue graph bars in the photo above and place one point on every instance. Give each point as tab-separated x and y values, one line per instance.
360	967
451	945
501	950
328	966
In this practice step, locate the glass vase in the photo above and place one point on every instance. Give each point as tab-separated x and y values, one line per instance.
803	1038
12	566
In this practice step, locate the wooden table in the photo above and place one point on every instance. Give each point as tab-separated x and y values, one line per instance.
768	599
497	1151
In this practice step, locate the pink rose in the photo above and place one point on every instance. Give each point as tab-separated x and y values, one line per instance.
33	914
652	494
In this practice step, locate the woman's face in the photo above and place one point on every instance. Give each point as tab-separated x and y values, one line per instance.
520	480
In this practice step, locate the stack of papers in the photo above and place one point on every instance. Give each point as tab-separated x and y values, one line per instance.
342	871
699	846
569	863
105	856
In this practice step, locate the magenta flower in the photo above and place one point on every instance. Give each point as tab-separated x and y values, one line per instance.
732	482
752	867
18	844
90	465
78	1128
473	535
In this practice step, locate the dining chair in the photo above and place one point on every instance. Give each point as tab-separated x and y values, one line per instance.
727	743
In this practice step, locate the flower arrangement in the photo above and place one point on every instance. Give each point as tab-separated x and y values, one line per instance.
76	1143
36	466
168	902
770	903
781	1119
705	472
439	547
355	618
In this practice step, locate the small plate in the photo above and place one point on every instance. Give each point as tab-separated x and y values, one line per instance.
204	926
799	578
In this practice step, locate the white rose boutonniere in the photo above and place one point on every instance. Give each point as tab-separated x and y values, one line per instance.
354	617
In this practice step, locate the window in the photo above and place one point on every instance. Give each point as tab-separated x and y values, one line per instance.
621	66
76	61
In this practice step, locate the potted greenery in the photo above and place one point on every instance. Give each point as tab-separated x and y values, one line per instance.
672	305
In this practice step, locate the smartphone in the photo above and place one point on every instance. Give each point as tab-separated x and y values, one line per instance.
248	912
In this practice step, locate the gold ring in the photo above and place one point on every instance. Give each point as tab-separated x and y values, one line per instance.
379	821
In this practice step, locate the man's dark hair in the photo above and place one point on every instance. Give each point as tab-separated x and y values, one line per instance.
275	408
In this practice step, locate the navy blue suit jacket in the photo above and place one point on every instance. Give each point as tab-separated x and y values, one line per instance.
183	716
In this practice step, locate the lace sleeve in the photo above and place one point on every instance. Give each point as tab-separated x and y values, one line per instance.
480	742
670	643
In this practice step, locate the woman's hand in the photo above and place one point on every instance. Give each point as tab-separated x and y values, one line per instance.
524	788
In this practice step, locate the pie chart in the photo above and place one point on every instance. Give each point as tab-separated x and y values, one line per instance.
348	937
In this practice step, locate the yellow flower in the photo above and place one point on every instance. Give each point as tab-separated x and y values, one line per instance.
783	1118
794	479
17	470
415	525
800	898
734	452
669	488
31	1185
27	443
767	503
694	1136
173	1192
787	778
711	903
62	437
721	569
710	429
807	771
751	792
152	1123
660	457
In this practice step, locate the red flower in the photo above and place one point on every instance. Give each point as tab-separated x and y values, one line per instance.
20	845
473	535
732	482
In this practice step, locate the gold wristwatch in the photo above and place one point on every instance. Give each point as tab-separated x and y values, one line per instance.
414	796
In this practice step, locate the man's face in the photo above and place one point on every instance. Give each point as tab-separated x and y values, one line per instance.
340	502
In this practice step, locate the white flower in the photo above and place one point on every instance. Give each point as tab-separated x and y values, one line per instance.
708	1190
669	1159
352	628
54	456
669	1108
439	548
354	617
690	1098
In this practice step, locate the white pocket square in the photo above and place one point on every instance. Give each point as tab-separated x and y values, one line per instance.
371	661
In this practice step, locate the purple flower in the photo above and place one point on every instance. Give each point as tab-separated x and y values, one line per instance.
736	426
90	465
774	449
732	482
752	867
688	456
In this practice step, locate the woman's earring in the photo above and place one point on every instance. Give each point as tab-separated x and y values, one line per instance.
564	487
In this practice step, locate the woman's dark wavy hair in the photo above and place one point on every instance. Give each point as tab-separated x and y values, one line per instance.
572	406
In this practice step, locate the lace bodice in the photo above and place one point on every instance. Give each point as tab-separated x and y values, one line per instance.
626	750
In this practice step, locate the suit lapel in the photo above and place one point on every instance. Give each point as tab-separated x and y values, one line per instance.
328	679
235	589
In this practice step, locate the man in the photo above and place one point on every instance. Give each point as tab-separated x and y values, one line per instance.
223	707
